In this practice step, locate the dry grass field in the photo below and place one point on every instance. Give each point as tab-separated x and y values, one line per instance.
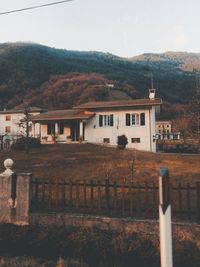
86	161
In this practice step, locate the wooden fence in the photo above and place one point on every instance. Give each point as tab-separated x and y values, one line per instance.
115	199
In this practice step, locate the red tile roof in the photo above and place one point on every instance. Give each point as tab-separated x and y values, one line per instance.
117	104
21	110
69	114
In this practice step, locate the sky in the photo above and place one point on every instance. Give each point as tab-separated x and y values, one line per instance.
122	27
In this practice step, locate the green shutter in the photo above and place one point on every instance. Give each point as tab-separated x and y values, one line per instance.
49	128
142	118
111	120
100	120
128	119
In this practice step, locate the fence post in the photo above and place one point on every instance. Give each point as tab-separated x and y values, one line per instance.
7	193
198	202
107	192
24	194
165	219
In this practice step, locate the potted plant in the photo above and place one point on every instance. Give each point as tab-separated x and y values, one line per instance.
69	138
80	139
122	141
54	138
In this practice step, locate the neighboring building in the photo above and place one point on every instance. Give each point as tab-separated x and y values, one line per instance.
164	131
10	120
103	122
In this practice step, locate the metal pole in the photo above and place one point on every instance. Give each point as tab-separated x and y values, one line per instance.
165	219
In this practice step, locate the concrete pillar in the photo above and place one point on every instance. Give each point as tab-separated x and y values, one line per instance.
56	128
81	129
15	196
6	202
24	194
33	127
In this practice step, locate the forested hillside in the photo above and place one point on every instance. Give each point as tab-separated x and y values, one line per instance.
39	75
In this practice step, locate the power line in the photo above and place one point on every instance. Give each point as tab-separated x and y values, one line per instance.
34	7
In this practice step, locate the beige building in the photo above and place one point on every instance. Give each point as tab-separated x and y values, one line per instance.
164	131
11	127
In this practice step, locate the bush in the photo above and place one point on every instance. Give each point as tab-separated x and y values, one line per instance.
122	141
21	144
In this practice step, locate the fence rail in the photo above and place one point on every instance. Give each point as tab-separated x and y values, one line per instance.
113	198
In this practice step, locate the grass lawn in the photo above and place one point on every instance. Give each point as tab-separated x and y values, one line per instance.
86	161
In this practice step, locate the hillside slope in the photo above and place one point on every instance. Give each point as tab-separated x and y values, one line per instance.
28	70
65	91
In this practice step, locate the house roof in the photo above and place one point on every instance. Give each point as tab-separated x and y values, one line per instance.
122	104
67	114
163	122
21	110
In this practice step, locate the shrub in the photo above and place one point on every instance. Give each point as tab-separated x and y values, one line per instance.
122	141
21	143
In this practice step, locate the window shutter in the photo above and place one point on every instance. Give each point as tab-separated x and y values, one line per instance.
48	128
128	119
100	120
111	120
142	119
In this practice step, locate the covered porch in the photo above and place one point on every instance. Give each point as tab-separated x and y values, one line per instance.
62	126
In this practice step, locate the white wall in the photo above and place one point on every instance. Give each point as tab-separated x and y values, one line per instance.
95	134
14	124
60	137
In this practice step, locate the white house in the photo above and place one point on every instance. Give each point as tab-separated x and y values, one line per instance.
10	123
103	122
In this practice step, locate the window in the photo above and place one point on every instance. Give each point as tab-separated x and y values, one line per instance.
60	128
135	119
50	128
142	119
106	120
8	117
135	140
8	129
106	140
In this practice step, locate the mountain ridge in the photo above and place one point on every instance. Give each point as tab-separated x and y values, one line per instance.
28	68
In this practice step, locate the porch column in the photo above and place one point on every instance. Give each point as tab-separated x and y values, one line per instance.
81	129
39	130
56	128
33	127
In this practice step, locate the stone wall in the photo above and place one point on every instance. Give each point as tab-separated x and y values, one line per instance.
127	226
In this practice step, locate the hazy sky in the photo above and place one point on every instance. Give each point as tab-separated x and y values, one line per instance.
122	27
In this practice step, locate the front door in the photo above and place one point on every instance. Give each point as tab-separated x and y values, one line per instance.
75	130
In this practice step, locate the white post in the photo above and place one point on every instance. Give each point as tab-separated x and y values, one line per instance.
33	127
165	219
56	128
81	129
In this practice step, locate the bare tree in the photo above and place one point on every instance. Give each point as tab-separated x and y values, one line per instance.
194	112
131	160
24	126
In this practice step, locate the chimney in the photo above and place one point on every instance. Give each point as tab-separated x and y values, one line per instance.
152	94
